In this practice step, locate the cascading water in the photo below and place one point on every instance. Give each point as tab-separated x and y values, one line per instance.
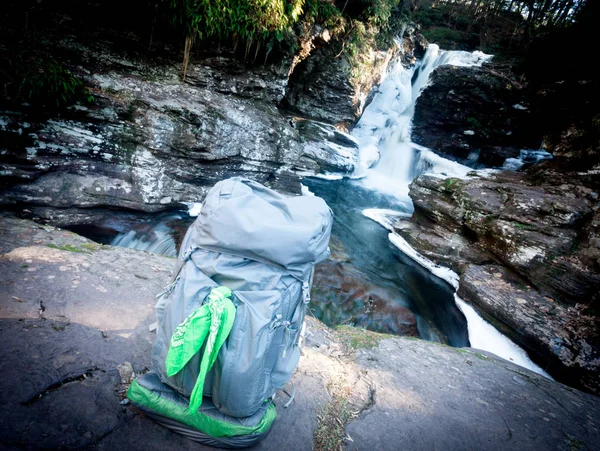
158	240
159	234
390	161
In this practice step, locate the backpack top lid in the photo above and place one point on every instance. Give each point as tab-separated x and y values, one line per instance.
244	218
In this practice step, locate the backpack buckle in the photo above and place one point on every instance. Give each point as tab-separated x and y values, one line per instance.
305	293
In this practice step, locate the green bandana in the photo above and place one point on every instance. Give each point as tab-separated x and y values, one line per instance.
214	319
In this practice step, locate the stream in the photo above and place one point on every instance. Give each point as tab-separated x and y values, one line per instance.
366	204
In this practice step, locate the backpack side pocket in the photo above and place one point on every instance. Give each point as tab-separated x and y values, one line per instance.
284	362
241	381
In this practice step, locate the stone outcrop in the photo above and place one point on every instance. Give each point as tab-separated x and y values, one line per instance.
569	117
74	328
325	148
333	87
528	258
478	116
151	141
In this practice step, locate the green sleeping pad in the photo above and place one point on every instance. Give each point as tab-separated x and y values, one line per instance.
206	425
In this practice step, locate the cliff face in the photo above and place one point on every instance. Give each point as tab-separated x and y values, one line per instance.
528	258
331	86
151	141
478	116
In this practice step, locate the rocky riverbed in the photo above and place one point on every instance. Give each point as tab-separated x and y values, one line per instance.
75	326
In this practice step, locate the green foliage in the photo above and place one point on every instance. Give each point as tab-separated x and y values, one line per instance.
39	80
375	29
332	419
261	24
266	25
379	12
245	19
450	183
85	248
358	338
324	12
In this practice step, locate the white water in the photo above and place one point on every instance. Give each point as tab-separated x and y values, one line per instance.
158	237
389	161
193	208
526	156
158	240
482	334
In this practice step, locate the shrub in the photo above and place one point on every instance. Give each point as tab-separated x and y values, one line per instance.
263	25
38	79
250	21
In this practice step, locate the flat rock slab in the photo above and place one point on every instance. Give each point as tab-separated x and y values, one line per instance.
428	396
72	311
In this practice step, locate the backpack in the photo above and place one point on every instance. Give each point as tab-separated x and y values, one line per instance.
229	323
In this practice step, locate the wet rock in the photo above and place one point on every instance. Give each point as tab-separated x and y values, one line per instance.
151	141
515	239
166	146
442	246
475	116
561	338
323	86
325	147
535	230
497	155
226	74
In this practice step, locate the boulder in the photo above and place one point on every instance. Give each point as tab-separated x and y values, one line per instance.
535	230
562	338
528	252
325	148
476	115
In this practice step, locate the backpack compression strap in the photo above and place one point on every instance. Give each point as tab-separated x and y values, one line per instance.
214	319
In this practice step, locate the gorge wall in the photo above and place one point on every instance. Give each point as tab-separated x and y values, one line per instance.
526	243
151	141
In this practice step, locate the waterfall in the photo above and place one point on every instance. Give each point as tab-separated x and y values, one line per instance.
158	239
390	161
157	235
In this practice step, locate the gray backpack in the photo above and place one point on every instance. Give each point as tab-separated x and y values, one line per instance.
229	323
